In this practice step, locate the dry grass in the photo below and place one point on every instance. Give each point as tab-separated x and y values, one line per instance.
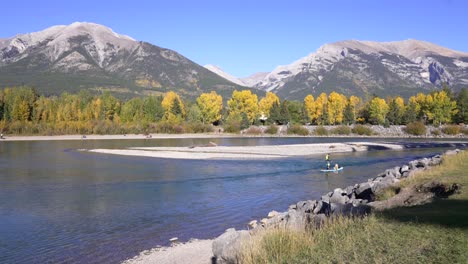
432	233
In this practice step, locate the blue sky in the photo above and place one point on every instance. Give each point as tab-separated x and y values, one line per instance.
244	37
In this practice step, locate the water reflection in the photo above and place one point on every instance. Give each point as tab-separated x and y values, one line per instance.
61	205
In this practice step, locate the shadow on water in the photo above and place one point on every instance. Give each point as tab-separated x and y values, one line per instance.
444	212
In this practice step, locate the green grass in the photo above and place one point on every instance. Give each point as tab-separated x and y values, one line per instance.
430	233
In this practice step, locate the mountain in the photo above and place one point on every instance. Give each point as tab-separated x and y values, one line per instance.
91	56
366	68
249	81
253	79
225	75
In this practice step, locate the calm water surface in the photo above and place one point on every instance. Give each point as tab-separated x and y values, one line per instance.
60	205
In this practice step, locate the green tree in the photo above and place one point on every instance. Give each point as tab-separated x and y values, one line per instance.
284	117
295	109
194	114
348	114
462	106
132	110
152	108
245	122
275	114
396	111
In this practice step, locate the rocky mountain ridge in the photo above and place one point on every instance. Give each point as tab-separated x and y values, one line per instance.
365	67
91	56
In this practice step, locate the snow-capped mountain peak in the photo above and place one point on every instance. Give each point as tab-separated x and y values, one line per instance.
366	66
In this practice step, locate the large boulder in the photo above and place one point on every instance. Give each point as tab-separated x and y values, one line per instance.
395	172
226	247
339	196
349	210
296	220
364	191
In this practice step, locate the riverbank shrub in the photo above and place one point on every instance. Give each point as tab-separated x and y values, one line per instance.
362	130
321	131
253	130
232	127
298	130
465	131
436	132
451	130
272	130
341	130
416	128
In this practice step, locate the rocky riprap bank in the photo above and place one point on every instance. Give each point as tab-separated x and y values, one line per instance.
354	200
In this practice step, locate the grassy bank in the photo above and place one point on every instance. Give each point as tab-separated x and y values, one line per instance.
430	233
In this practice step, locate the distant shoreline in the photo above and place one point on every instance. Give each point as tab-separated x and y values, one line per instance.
7	138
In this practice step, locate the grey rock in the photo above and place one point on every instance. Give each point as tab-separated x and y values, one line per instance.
227	246
317	220
436	160
310	206
404	169
349	210
253	223
451	152
296	220
300	204
272	214
318	207
339	196
365	191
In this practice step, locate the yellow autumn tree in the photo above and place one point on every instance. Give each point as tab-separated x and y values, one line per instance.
210	105
321	104
173	106
378	110
335	107
267	102
243	102
310	108
442	108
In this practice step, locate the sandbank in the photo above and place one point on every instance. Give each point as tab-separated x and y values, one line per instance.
195	251
245	152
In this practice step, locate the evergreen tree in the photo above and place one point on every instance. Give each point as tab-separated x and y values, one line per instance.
462	106
285	117
275	113
393	115
176	109
324	117
411	113
245	123
348	114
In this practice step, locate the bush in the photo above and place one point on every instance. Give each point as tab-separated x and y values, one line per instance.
416	128
341	130
232	127
254	130
465	131
451	130
272	130
198	128
298	130
436	132
320	131
362	130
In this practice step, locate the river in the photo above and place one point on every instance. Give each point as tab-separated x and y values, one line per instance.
61	205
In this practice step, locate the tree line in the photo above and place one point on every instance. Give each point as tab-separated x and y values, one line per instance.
23	111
